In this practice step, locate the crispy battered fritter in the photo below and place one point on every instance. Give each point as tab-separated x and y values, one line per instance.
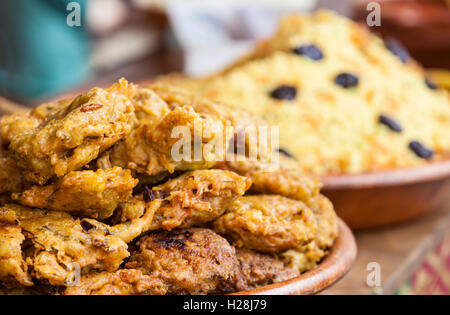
193	261
148	149
18	123
267	223
87	193
120	282
63	245
75	135
192	199
257	269
310	255
11	176
13	269
286	180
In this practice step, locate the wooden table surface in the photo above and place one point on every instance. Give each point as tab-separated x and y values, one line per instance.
399	250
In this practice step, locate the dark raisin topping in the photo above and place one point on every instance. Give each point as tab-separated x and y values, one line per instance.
285	152
420	150
311	51
284	92
398	49
150	194
346	80
431	85
87	226
391	123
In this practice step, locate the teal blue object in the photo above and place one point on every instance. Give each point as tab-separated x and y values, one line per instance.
40	54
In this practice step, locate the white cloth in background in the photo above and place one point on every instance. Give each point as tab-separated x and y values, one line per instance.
215	33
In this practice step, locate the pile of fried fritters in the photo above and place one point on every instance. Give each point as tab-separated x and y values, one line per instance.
93	202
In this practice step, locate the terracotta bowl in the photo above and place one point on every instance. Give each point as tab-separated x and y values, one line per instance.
390	197
328	272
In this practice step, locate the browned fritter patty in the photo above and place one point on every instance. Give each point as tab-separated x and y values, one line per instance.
86	193
148	149
75	135
257	269
267	223
192	261
120	282
244	123
13	269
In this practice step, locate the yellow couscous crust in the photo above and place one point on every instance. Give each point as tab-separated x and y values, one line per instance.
328	128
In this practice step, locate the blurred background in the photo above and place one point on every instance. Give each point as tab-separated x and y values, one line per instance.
42	56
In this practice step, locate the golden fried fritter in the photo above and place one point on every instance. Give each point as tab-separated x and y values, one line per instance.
120	282
87	193
267	223
150	108
11	176
192	261
192	199
286	180
148	149
257	269
62	245
242	121
75	135
13	269
18	123
196	197
309	256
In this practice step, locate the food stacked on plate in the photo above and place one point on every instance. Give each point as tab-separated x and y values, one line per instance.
345	100
94	202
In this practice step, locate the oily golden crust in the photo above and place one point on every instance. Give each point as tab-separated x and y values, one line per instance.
192	261
50	248
192	199
287	179
242	121
148	149
62	245
18	123
75	135
120	282
11	176
87	193
267	223
13	269
307	257
257	269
